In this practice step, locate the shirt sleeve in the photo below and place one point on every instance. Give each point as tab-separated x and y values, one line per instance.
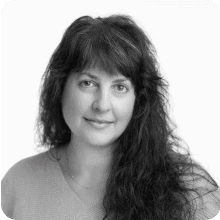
8	192
204	193
209	207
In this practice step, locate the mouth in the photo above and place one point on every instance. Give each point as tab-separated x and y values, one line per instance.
98	121
98	124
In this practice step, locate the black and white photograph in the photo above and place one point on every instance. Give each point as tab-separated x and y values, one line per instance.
110	110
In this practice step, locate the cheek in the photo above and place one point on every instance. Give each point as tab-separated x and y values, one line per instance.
71	108
74	103
75	106
124	109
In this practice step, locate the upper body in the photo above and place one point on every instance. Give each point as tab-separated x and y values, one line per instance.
39	187
104	99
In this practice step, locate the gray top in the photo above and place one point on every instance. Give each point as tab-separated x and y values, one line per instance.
36	188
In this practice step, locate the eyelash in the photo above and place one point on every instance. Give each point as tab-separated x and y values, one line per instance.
82	82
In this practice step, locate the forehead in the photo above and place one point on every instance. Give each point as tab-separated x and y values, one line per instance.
97	73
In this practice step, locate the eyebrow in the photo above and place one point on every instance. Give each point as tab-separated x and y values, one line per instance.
95	77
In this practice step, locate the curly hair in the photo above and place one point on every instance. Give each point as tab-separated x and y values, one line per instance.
153	176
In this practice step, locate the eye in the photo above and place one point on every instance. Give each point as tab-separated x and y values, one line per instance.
121	88
86	83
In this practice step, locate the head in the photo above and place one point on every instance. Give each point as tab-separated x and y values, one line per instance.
111	47
94	95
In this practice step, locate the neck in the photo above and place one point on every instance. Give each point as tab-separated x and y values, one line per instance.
87	163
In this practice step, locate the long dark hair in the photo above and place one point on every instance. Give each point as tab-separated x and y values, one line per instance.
153	176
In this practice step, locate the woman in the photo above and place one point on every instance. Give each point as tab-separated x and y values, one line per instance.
112	150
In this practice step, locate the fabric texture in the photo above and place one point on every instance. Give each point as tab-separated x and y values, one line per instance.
35	188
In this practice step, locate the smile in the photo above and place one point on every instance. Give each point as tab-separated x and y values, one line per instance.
98	125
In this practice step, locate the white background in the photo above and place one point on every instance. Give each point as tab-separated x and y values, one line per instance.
185	33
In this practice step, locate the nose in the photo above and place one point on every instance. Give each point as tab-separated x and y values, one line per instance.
102	101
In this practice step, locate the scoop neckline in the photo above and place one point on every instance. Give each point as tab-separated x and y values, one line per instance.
62	168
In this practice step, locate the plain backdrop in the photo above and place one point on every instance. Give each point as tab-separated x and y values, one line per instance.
185	33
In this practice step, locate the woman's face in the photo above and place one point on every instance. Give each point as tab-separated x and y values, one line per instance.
94	95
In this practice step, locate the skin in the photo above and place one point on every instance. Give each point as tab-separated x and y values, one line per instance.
89	151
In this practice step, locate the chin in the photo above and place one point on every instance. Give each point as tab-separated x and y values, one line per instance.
100	142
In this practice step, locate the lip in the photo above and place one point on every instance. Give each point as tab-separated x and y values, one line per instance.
97	120
98	125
